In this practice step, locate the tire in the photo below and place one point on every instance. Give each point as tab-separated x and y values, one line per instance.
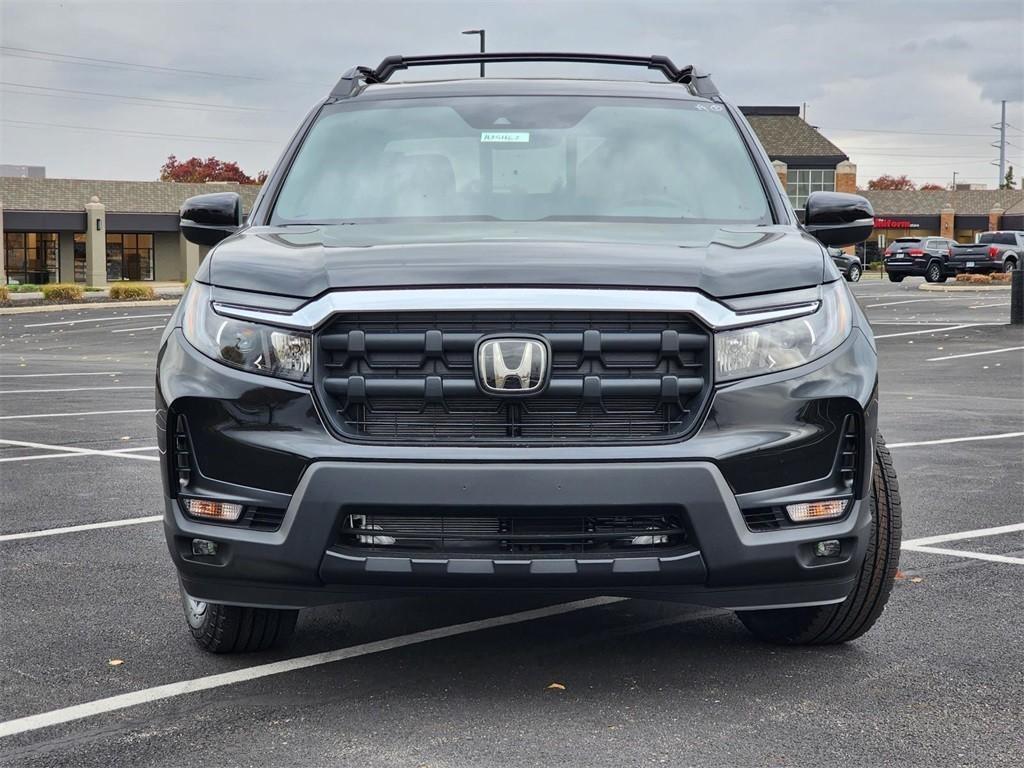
1009	265
235	629
933	273
831	624
895	278
853	274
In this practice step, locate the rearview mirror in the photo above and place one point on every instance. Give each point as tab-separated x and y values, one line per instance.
208	219
838	219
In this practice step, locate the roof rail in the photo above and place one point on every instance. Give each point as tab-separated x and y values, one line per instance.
698	82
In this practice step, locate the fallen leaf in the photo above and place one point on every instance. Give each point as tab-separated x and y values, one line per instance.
556	687
916	580
115	662
900	575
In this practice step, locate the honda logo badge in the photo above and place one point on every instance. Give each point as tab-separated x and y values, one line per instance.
512	365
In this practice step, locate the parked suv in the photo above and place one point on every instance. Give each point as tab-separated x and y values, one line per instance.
558	336
848	266
994	252
925	257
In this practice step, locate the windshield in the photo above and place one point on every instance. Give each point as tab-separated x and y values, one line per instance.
523	158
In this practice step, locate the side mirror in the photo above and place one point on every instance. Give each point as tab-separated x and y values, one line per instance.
208	219
838	219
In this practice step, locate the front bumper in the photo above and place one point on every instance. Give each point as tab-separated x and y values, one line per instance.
764	442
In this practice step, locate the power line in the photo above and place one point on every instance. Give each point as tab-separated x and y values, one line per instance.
65	58
137	134
910	133
118	96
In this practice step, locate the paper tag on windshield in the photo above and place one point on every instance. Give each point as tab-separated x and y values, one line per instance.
505	137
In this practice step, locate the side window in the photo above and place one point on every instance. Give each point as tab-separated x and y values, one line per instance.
1006	238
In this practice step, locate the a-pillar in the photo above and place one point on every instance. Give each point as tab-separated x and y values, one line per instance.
95	242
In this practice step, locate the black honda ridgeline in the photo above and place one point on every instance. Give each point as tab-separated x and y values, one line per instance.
557	336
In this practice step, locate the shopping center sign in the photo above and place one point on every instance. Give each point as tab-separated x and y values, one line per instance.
883	223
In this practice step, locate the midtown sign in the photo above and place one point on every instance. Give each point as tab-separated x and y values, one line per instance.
883	223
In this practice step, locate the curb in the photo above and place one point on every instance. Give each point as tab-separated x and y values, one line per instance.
89	305
940	288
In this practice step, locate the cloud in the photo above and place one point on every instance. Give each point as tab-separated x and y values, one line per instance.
1000	82
847	58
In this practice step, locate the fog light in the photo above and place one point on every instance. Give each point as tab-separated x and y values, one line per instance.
213	510
829	548
816	510
204	547
649	541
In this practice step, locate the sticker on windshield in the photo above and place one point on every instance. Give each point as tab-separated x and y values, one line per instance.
505	137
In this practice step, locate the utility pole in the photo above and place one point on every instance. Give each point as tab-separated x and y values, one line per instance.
953	188
1001	145
483	47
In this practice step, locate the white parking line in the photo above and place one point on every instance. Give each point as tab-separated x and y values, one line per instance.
948	440
147	328
926	330
94	320
76	389
69	455
998	304
126	453
39	375
963	553
160	692
74	413
77	528
976	354
905	301
977	533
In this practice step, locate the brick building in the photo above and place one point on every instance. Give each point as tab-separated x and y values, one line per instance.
804	159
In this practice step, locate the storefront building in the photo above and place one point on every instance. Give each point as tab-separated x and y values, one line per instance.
51	227
960	215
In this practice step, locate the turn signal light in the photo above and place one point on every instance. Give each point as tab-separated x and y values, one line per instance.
816	510
213	510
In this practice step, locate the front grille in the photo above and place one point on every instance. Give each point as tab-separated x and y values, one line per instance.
409	377
507	532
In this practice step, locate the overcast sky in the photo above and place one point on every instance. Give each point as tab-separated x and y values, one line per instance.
903	87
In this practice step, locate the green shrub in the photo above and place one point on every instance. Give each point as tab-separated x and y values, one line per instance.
62	292
5	295
24	288
131	292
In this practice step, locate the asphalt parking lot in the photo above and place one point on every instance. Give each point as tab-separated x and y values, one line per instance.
92	612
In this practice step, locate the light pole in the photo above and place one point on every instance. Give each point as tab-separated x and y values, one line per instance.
483	47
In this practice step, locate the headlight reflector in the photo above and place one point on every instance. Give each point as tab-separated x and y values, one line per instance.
785	344
241	344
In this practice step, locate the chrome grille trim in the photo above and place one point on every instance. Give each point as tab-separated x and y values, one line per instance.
712	313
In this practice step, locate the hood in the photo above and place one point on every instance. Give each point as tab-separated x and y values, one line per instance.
305	261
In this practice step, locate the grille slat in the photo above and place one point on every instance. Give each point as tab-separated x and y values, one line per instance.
616	376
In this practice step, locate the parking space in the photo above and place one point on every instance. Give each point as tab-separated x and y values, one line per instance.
97	667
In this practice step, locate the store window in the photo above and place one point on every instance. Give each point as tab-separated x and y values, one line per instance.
129	257
80	276
31	257
800	182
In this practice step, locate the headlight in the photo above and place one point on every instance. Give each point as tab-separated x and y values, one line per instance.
241	344
786	344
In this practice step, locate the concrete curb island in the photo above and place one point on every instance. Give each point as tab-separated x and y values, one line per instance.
57	306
